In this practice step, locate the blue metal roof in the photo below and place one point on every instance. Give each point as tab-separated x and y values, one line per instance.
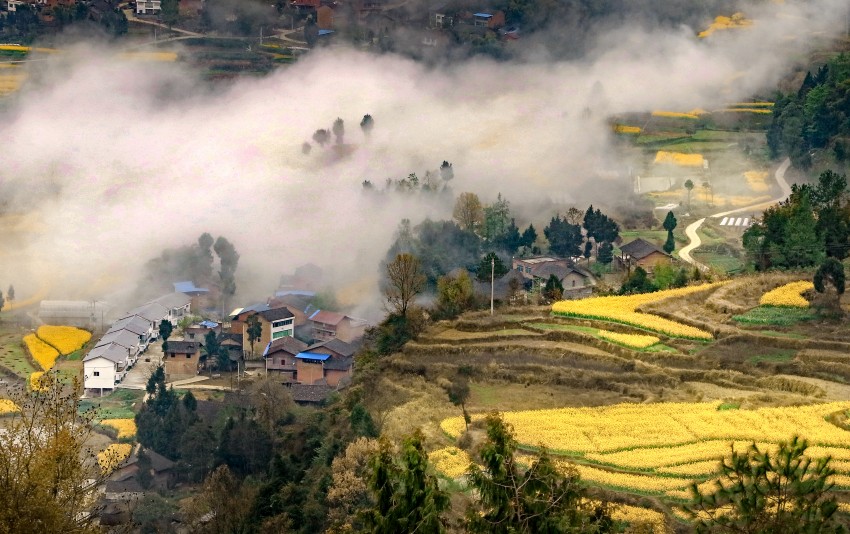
188	287
312	356
483	15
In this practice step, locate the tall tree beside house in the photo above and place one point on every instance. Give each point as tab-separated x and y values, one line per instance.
228	261
338	130
254	330
170	11
367	124
564	238
165	329
405	280
468	213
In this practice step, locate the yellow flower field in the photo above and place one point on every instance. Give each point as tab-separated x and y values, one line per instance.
674	115
662	448
679	158
635	341
450	461
789	295
112	456
8	406
623	309
41	352
65	338
623	129
757	181
126	427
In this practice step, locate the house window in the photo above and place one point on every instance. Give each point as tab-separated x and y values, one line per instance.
97	373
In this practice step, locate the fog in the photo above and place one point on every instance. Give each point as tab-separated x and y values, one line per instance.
113	161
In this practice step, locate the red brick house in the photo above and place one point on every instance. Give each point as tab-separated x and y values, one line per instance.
327	325
181	359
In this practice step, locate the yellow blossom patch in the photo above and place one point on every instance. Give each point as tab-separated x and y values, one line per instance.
635	341
65	338
111	457
41	352
126	427
623	309
789	295
679	158
450	461
8	406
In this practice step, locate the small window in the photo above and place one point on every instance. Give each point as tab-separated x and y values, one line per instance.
97	373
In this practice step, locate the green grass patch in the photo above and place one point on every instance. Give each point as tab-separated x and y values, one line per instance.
779	356
775	316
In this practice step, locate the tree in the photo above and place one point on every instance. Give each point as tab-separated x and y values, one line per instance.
762	492
689	185
467	212
605	254
254	329
564	238
831	271
165	329
404	281
458	391
454	294
540	499
321	136
49	481
170	11
228	260
407	495
339	130
669	222
554	289
367	124
490	264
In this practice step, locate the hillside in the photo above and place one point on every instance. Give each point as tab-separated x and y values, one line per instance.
526	358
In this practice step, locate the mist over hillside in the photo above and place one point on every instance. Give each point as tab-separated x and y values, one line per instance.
114	160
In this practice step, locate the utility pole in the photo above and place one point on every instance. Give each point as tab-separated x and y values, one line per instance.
492	281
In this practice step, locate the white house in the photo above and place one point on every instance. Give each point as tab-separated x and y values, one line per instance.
148	7
105	366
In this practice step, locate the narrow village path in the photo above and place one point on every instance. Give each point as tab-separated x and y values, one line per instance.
691	229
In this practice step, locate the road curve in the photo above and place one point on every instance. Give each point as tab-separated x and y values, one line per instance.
691	229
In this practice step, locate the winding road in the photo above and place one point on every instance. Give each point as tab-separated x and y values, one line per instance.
691	230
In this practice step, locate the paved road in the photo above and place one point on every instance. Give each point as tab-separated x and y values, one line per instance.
691	230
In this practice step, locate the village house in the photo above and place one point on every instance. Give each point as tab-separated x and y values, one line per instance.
642	253
105	366
182	359
327	325
280	356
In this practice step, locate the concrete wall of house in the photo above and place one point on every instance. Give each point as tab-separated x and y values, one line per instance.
106	374
309	373
333	376
179	366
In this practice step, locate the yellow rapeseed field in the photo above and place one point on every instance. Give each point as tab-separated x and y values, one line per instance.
41	352
450	461
8	406
623	129
756	181
635	341
679	158
789	295
126	427
675	115
623	309
65	338
112	456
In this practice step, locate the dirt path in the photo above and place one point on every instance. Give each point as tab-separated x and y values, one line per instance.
691	230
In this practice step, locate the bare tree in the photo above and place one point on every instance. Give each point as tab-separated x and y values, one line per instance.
468	212
404	281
